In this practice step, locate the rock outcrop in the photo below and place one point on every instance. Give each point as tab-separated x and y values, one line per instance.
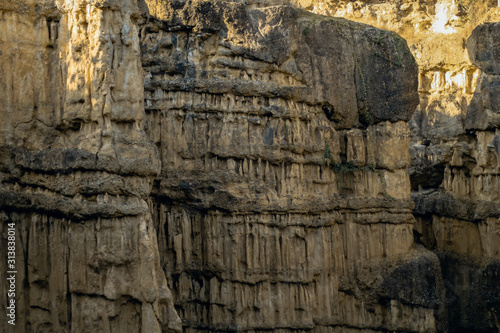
454	142
284	200
461	219
230	166
77	170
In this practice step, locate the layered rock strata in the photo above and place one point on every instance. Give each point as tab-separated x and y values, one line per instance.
284	201
454	140
209	166
461	220
77	169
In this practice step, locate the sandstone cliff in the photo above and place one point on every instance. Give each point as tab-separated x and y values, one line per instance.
223	166
284	200
454	141
77	170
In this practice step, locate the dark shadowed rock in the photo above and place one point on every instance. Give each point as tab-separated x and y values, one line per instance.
484	47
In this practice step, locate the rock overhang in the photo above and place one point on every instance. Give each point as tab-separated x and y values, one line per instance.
364	75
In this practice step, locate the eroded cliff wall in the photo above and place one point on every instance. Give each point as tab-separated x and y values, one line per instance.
284	200
76	171
218	166
454	141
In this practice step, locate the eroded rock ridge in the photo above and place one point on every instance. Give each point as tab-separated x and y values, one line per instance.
221	166
454	140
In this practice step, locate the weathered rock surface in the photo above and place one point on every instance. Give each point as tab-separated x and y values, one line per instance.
284	197
225	166
484	48
463	215
454	148
76	170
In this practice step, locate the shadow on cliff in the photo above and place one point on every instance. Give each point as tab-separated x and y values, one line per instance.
470	295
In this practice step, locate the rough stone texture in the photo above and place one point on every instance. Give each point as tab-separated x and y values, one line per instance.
483	112
229	166
454	141
484	48
288	46
464	213
284	201
76	170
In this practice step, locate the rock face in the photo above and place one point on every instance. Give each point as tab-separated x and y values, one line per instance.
284	200
454	142
462	218
224	166
77	170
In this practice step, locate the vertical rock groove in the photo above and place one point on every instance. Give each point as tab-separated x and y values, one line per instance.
204	166
77	169
454	172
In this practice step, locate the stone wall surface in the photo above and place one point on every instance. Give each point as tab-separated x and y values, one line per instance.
284	200
454	141
77	169
245	166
